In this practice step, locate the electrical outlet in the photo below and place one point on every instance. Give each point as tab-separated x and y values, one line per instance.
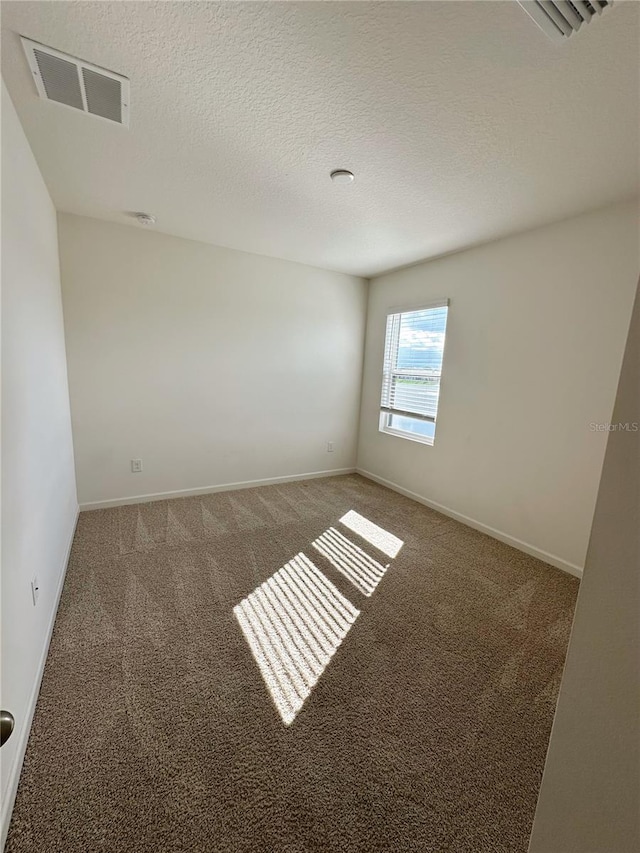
35	590
136	466
329	447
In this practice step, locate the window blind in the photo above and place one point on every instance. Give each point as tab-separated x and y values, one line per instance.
414	347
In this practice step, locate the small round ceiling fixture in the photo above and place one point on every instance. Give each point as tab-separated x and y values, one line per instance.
342	176
145	218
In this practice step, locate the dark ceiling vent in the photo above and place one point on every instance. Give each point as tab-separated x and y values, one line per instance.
78	84
560	19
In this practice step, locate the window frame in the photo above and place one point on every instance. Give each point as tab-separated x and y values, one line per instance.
385	415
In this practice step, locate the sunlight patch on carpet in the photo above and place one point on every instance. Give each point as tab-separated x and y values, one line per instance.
363	571
370	532
293	623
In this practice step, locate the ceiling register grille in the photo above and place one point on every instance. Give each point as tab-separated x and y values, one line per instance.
78	84
560	19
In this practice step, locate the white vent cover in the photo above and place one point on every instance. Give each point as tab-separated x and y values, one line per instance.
560	19
78	84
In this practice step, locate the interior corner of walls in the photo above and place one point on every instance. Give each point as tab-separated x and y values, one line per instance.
591	768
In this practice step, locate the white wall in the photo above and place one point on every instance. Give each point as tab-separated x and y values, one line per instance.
590	794
535	337
39	506
213	366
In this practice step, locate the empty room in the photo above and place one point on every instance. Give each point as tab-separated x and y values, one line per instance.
320	426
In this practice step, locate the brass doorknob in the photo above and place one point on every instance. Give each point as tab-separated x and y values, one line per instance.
6	726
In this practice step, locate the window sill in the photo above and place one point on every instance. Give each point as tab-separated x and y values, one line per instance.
408	435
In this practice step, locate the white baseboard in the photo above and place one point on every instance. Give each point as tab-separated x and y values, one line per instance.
25	731
206	490
552	559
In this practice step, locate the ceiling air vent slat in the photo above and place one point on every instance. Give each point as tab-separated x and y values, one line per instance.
103	95
560	19
78	84
583	9
569	13
557	17
60	79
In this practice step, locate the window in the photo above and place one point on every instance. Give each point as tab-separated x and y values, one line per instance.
413	351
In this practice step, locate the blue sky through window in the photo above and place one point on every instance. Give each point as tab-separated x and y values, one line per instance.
421	341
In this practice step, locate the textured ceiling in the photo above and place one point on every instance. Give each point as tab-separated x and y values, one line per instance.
461	121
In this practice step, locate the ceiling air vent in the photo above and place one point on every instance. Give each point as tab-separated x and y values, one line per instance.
78	84
560	19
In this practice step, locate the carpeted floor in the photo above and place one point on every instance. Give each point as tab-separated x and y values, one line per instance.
218	682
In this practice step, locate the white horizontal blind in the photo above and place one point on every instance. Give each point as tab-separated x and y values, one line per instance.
414	347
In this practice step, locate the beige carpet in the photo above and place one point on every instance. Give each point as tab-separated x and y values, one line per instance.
246	672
